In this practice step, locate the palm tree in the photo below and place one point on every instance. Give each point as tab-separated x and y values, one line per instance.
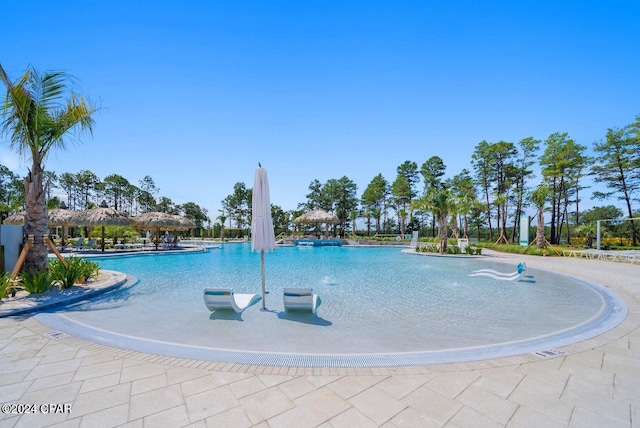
440	202
589	231
465	203
222	219
39	112
539	198
353	216
402	216
376	212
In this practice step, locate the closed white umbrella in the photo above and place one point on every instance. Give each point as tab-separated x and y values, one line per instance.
263	237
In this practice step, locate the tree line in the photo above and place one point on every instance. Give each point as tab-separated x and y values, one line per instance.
489	197
84	190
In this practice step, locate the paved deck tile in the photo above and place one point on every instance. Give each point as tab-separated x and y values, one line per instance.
321	405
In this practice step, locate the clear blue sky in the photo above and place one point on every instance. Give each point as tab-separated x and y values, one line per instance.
196	93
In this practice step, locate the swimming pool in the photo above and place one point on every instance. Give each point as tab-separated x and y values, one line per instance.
379	307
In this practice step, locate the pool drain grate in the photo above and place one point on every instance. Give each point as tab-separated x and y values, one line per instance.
56	335
548	353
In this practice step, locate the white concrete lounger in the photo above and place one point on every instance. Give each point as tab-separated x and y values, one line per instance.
225	298
573	253
501	277
300	298
630	256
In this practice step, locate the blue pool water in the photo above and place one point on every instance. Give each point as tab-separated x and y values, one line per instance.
378	307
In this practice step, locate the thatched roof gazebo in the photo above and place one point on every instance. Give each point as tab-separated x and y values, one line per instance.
16	219
57	217
101	216
60	217
158	221
184	223
317	216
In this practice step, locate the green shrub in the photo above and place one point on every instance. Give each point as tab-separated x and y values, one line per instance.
473	251
428	249
427	239
77	270
36	282
90	269
65	276
116	233
4	284
517	249
453	249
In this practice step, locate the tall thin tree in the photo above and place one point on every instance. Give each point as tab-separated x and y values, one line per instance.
618	167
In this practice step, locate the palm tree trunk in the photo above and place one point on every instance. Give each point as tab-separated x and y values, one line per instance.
540	230
466	227
36	220
442	232
433	226
454	226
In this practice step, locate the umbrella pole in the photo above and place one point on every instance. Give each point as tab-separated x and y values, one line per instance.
263	292
103	239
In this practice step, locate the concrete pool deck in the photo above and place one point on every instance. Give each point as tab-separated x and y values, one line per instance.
592	383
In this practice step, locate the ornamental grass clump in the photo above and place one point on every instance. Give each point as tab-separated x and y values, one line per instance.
76	271
36	282
454	250
4	284
428	249
64	275
90	269
473	251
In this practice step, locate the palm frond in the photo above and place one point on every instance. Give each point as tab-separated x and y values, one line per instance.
50	88
76	116
37	115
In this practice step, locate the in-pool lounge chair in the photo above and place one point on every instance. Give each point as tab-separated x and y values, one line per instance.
300	299
90	245
522	268
224	298
78	244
